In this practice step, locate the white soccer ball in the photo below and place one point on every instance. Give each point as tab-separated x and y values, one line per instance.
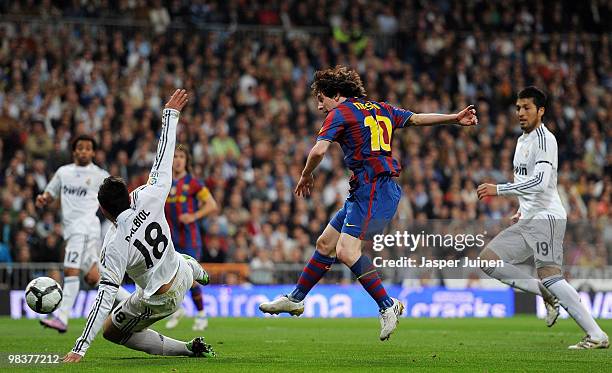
43	295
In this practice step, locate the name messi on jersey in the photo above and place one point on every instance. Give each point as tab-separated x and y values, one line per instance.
137	223
366	105
521	169
74	190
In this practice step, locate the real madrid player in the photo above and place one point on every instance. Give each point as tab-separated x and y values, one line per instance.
539	224
139	244
76	185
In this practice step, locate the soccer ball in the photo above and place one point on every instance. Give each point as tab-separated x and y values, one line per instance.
43	295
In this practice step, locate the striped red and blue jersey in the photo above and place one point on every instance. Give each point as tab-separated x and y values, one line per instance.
185	196
364	129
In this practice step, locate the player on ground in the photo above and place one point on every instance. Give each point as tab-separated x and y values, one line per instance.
539	224
77	185
188	202
364	130
139	244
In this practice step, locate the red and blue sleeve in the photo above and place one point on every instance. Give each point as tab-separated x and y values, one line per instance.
333	126
399	117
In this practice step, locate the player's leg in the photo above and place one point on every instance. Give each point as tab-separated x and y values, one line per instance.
548	253
510	246
369	213
318	265
201	278
129	322
75	247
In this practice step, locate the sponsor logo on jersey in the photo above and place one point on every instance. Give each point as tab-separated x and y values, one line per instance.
77	191
521	169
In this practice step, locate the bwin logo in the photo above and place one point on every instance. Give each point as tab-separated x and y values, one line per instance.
77	191
521	170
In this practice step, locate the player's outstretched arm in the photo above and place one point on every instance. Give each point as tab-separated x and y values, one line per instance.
466	117
113	264
304	186
161	172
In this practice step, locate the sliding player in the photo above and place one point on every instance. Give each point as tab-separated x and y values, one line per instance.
139	244
539	224
364	130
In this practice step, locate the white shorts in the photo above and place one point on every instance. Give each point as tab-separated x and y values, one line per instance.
540	237
136	313
82	251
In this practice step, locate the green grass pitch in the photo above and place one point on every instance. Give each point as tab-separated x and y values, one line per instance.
519	344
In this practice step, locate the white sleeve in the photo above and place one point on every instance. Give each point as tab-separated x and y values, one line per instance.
55	185
545	154
160	178
113	268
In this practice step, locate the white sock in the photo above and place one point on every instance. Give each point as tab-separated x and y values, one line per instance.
570	300
153	343
121	294
513	276
198	272
70	292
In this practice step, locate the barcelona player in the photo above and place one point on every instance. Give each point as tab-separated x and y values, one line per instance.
364	129
188	202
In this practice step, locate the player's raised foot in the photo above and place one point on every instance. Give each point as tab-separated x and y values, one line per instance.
175	318
552	305
199	348
204	280
200	323
54	323
389	318
588	343
283	304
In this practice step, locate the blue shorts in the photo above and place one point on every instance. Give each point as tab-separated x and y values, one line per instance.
189	251
369	208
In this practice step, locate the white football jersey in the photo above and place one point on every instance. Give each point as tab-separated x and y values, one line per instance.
139	243
535	175
77	187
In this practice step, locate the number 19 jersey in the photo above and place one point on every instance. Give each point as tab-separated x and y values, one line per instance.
364	130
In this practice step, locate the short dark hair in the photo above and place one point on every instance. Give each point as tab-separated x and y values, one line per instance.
84	138
538	96
338	80
113	196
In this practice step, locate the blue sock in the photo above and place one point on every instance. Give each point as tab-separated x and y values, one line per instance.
370	280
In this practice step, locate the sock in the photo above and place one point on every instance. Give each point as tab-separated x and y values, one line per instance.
513	276
70	292
198	272
570	300
121	294
370	280
196	295
312	273
153	343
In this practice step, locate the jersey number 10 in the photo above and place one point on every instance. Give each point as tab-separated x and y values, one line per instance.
153	242
380	132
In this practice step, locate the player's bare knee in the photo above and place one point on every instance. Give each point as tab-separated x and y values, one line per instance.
92	278
548	271
69	272
324	246
110	332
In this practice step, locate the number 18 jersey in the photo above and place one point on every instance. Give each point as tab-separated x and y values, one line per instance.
140	243
364	130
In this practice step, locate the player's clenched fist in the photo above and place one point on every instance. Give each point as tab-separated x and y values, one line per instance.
486	190
178	100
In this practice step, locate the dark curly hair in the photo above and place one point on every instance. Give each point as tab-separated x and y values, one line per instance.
338	80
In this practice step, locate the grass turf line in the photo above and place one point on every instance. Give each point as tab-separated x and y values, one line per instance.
519	344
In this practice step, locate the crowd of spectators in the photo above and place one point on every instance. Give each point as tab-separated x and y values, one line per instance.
251	119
